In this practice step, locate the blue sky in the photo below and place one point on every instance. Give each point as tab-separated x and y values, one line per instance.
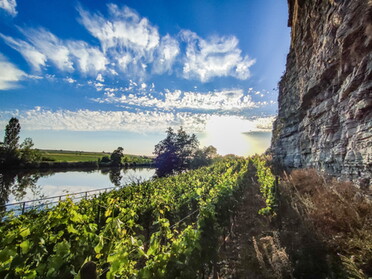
94	75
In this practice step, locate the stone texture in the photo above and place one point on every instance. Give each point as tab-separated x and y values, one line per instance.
325	96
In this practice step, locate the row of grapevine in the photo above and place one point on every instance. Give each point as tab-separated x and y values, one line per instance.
267	183
164	228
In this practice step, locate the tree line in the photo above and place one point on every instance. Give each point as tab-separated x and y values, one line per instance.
176	153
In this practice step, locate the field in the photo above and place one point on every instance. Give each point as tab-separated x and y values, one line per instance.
82	156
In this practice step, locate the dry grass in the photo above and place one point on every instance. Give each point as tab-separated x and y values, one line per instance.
338	212
272	258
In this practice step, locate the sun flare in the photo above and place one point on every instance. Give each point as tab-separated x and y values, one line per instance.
235	135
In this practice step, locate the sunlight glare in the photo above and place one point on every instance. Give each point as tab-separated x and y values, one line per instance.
230	135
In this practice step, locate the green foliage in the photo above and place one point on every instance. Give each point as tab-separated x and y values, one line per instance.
204	157
11	153
105	159
12	131
175	153
116	156
27	154
164	228
267	185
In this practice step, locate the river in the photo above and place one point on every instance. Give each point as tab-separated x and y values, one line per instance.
30	185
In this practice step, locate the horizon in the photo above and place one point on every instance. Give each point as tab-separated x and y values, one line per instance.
95	76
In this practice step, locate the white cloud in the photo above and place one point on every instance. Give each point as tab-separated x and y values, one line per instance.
9	74
264	123
165	55
100	78
125	37
98	85
214	57
130	44
69	80
33	56
125	29
52	47
87	120
89	60
131	41
9	6
138	122
43	46
225	100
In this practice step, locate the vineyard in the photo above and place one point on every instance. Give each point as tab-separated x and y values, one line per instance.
164	228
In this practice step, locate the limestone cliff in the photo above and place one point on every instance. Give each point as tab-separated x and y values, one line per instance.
325	96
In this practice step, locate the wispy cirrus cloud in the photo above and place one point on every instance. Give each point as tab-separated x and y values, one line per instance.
9	6
87	58
131	40
123	29
9	74
52	47
33	56
42	46
132	46
165	54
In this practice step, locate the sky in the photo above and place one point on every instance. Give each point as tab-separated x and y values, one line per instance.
95	75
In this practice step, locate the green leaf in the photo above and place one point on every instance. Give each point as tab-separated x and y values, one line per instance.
25	246
26	232
72	230
99	246
76	217
62	249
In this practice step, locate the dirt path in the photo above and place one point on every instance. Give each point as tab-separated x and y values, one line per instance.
238	257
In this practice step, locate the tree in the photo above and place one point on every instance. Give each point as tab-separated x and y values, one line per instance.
12	131
175	153
204	157
9	153
116	156
28	154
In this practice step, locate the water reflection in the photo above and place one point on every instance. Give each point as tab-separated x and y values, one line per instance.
28	185
115	177
17	184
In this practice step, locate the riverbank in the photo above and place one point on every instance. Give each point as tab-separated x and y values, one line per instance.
84	156
75	165
66	159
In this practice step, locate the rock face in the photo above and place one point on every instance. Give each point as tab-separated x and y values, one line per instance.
325	95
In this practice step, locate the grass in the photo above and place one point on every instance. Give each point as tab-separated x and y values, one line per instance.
72	156
82	156
339	213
